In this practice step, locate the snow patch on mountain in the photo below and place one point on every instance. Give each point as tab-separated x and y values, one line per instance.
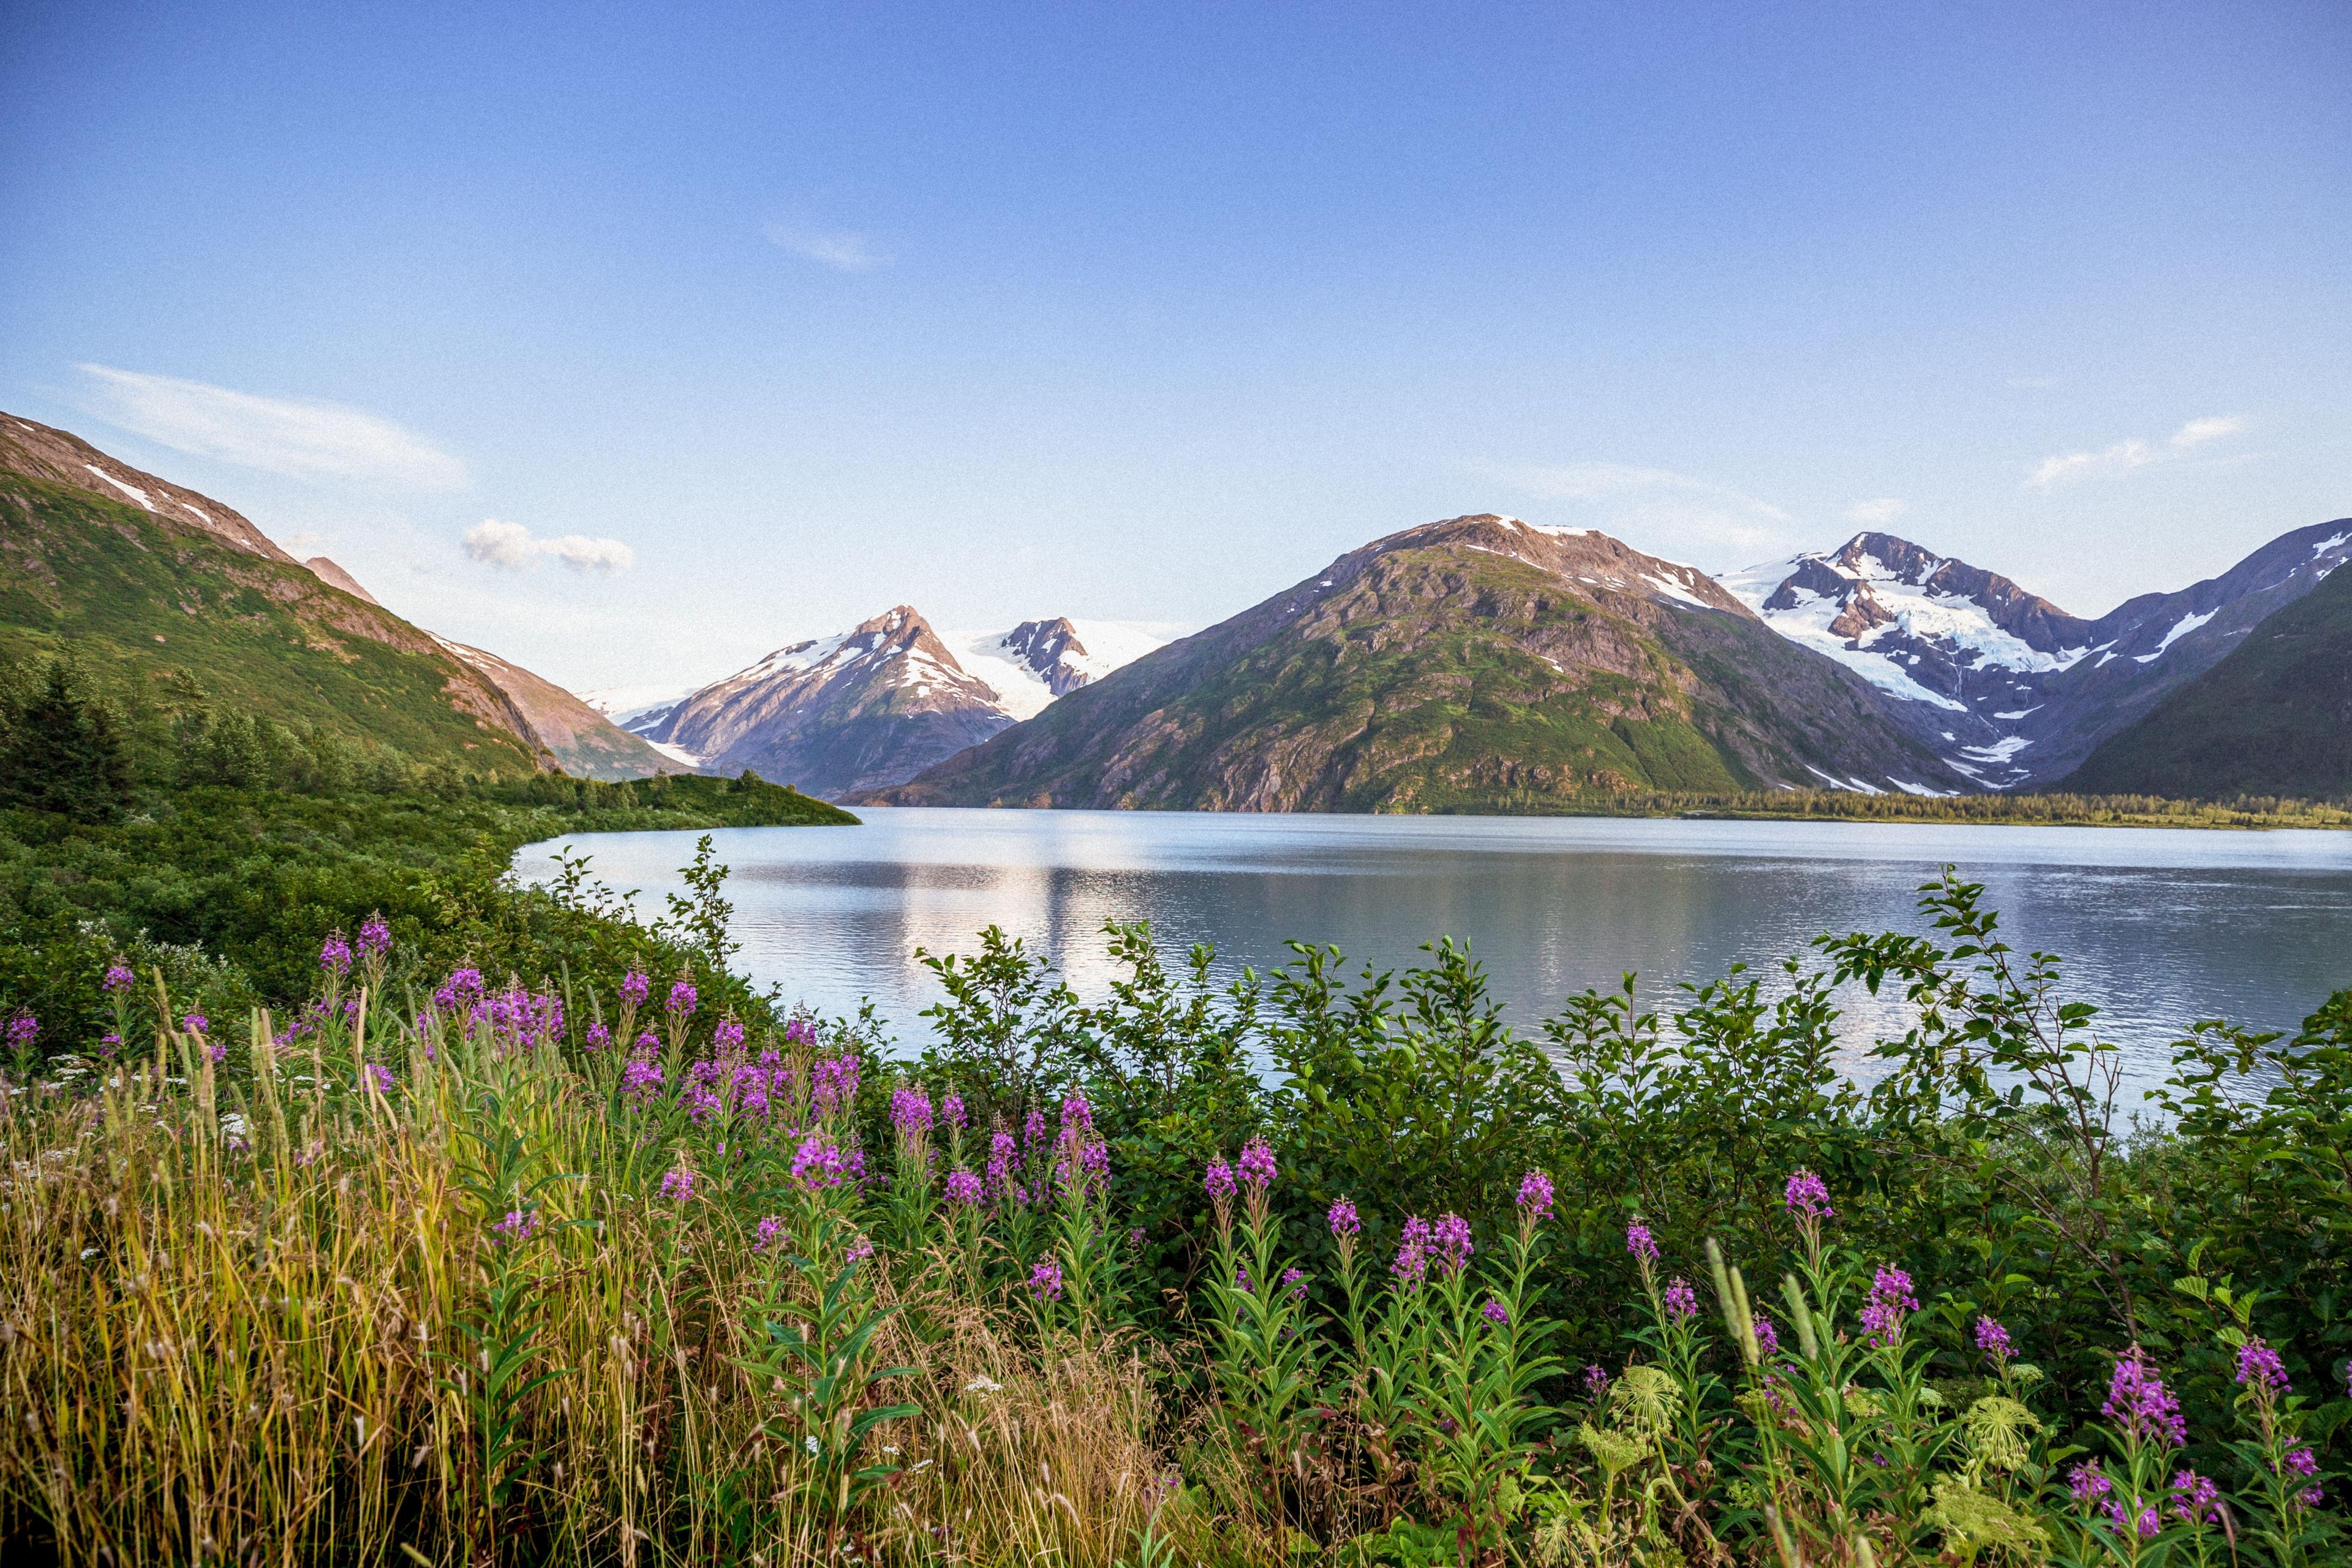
2180	628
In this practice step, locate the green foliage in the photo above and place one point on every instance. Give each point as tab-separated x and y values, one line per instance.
61	752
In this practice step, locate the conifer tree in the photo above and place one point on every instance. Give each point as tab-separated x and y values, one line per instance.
64	753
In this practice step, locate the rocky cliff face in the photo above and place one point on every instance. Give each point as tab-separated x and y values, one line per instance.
2011	690
1475	664
869	708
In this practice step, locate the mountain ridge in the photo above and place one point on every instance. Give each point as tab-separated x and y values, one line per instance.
1475	662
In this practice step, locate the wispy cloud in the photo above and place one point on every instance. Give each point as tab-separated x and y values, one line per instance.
2125	457
1875	513
1643	502
837	248
515	548
307	441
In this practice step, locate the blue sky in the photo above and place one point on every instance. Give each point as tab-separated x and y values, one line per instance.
745	324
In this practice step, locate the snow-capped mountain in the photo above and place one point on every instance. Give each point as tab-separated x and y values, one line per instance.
1478	663
1038	661
872	706
2011	690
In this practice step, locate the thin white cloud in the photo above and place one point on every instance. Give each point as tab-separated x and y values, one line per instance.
837	248
1643	502
2106	463
307	440
515	548
2197	432
1875	513
2125	457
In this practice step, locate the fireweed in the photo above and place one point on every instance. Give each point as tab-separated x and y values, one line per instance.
714	1291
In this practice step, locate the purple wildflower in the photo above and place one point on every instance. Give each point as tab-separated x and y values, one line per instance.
951	1111
335	954
1681	1300
1596	1382
963	1187
682	999
1534	1196
519	1225
1768	1338
194	1024
678	1183
728	1034
911	1111
1993	1340
1256	1167
2195	1499
1046	1281
1343	1218
599	1037
1413	1255
636	987
641	1080
1641	1243
377	1077
23	1030
2087	1483
1452	1236
1807	1197
834	1083
1218	1181
1890	1298
1004	1155
1294	1280
769	1230
118	977
818	1163
2138	1402
1496	1314
375	937
2259	1369
2139	1519
860	1250
1076	1114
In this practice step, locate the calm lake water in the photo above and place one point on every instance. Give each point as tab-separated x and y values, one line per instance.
2159	927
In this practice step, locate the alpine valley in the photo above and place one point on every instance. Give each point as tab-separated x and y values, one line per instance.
1477	664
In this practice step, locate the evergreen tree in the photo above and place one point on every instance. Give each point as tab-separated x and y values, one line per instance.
64	753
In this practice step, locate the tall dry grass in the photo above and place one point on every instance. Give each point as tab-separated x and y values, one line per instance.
233	1316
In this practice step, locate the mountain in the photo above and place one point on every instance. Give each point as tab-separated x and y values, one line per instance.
580	739
878	704
151	583
869	708
2011	689
1038	661
334	576
2272	716
1476	664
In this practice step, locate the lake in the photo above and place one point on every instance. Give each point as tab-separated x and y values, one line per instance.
2159	927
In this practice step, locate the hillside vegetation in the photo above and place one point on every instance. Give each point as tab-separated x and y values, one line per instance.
2275	717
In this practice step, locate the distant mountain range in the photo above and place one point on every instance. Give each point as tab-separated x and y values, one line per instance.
2014	691
878	704
1476	664
170	587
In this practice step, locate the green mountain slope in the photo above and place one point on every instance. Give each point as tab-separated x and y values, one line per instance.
163	593
175	598
2273	718
1473	665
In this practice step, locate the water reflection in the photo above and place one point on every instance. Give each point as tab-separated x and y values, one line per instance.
2158	927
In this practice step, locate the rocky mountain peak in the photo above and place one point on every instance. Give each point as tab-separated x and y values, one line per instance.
1051	651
